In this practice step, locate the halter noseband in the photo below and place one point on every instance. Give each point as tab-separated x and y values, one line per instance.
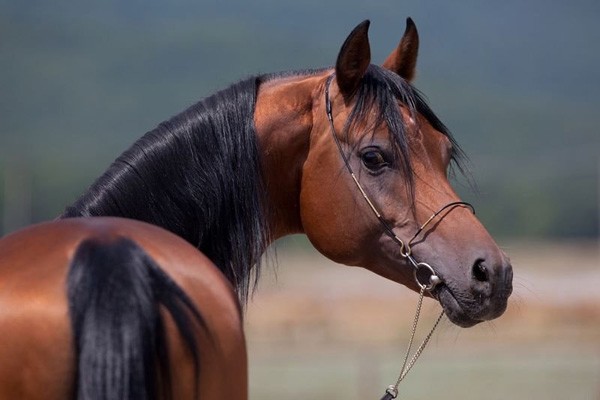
405	248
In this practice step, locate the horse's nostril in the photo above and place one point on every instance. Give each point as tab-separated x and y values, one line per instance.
480	272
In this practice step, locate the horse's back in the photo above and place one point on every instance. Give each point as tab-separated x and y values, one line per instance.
36	351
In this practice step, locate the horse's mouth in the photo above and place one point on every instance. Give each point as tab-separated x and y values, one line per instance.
455	312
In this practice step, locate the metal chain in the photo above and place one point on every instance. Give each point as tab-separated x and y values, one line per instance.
412	335
422	346
392	390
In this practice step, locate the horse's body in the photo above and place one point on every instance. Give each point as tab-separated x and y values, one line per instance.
83	300
36	351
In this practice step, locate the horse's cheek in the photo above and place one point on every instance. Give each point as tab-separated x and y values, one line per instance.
330	217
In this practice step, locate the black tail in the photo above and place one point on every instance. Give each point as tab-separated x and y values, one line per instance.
115	290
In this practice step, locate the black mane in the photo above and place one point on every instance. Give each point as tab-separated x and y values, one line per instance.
198	176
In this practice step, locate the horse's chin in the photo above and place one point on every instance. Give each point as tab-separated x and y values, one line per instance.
452	308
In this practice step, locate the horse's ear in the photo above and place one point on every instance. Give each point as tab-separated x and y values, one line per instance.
353	59
403	60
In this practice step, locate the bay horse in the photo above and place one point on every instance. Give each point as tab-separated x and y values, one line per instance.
137	290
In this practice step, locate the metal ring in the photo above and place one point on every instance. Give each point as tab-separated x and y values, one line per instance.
434	280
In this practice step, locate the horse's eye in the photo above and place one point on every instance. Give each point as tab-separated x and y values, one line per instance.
373	160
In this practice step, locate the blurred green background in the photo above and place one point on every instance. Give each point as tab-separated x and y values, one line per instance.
516	81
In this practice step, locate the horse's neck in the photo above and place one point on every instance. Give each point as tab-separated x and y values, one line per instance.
284	120
199	174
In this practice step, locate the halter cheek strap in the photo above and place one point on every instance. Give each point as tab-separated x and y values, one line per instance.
405	248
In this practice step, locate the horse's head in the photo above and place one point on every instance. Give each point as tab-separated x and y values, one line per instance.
377	170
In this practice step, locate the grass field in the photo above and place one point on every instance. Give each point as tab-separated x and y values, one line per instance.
322	331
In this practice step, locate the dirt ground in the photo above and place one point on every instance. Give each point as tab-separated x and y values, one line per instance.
317	330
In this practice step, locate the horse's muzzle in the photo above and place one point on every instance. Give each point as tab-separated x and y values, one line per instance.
482	298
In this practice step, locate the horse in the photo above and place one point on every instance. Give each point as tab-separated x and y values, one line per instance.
137	290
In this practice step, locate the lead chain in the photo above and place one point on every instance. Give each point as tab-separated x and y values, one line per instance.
392	390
